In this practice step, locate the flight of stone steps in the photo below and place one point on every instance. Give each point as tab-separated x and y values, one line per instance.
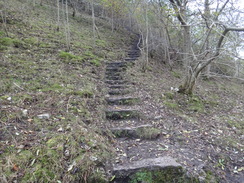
134	136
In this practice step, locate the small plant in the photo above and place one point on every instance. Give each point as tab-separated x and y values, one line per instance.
101	43
195	104
68	57
143	176
31	40
5	42
95	62
171	105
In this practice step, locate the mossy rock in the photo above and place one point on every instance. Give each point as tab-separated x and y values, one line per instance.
162	176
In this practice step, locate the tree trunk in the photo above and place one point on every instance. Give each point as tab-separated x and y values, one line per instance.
93	21
58	24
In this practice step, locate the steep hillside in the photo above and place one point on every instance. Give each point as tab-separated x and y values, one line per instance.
50	97
88	109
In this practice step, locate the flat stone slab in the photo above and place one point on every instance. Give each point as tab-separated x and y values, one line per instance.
118	114
142	132
130	59
111	77
114	73
151	164
115	69
117	86
122	101
118	91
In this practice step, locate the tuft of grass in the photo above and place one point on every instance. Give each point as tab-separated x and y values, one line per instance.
66	55
96	62
5	42
171	104
101	43
195	104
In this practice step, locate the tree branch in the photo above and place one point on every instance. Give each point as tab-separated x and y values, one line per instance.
227	29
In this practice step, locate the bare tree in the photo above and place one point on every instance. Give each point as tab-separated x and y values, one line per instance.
195	63
58	18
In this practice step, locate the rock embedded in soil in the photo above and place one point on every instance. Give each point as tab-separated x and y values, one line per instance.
122	100
142	131
118	91
161	167
43	116
117	114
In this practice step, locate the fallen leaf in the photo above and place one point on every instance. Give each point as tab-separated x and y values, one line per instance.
15	168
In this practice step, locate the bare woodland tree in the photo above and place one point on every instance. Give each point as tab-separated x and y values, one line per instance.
196	63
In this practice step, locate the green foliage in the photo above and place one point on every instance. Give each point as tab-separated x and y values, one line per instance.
162	176
66	55
31	40
96	62
171	104
195	104
70	58
5	42
144	176
101	43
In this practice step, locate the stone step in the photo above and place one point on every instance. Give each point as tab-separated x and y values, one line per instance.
118	114
118	91
130	60
117	86
116	63
115	69
111	77
114	73
159	170
116	82
142	132
122	100
133	54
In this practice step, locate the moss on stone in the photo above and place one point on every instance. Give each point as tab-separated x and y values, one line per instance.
162	176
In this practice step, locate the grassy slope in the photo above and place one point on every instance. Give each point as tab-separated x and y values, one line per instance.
39	77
